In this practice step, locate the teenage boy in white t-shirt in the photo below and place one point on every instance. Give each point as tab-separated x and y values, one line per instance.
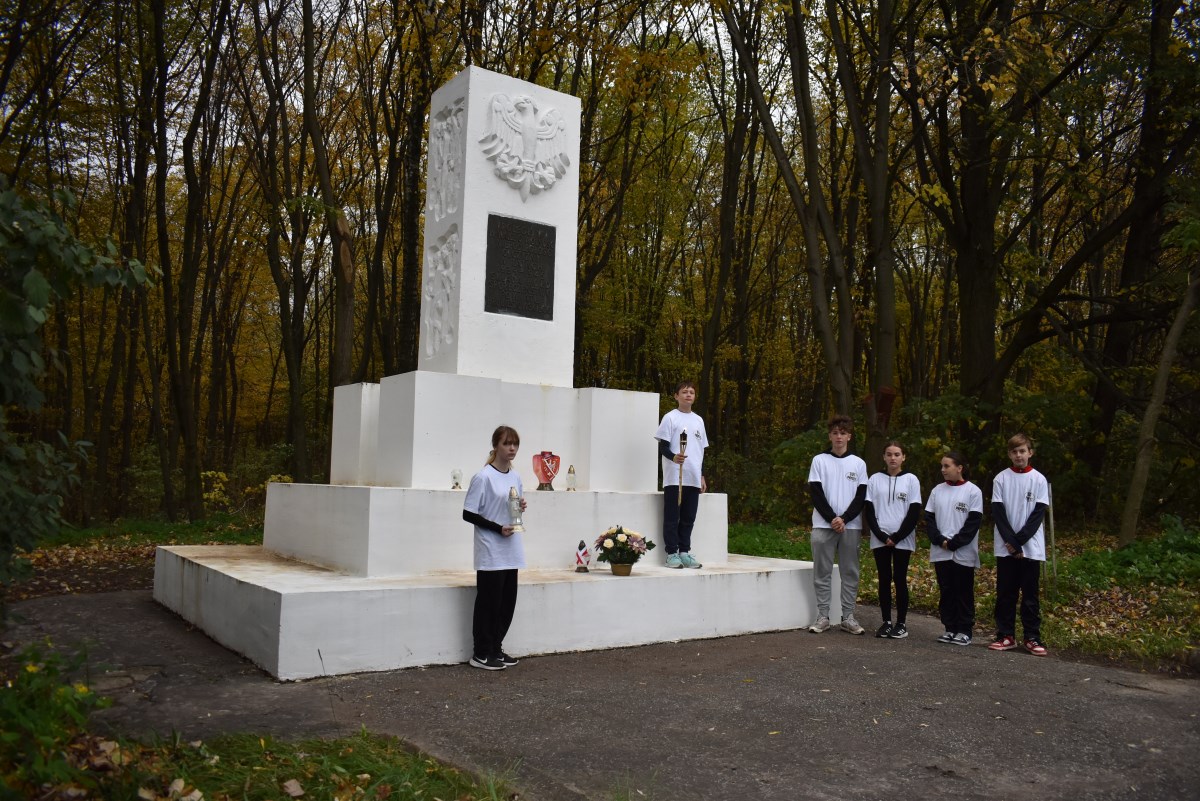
837	480
1020	498
680	505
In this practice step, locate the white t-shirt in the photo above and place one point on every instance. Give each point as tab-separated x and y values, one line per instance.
839	477
487	496
1021	493
891	497
950	504
672	424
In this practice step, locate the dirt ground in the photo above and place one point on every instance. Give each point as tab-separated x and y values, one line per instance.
66	571
783	715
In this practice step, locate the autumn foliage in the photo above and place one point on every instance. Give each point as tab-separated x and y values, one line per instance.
949	220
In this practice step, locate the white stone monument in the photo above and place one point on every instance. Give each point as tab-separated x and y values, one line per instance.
374	570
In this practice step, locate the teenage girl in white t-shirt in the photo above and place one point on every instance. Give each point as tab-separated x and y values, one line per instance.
892	512
952	518
499	551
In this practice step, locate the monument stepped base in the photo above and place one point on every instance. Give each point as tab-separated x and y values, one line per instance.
298	621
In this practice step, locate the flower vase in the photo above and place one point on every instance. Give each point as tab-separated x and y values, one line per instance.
621	570
545	467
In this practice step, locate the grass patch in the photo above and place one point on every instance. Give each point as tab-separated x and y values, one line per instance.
250	768
1139	604
47	750
221	528
776	542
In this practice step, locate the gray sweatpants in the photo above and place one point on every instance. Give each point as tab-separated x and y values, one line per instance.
825	543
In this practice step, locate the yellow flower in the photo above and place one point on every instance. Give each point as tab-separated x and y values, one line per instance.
32	668
608	543
622	538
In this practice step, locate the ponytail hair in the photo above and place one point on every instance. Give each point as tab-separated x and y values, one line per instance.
501	434
961	461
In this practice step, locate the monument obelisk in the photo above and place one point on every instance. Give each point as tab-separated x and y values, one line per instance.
373	571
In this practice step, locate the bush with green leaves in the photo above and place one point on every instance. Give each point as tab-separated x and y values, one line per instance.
1171	558
771	486
41	262
43	711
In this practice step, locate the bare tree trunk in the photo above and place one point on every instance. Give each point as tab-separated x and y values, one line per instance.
1142	243
734	115
1146	439
814	217
341	238
871	154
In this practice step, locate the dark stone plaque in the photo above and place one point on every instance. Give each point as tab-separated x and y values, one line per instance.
520	268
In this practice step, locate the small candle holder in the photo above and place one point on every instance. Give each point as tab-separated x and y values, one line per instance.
514	510
572	480
545	467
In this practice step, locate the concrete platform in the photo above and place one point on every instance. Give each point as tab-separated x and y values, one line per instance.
299	621
399	531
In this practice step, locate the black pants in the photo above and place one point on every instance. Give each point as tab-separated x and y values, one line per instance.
495	602
956	607
679	518
892	564
1018	577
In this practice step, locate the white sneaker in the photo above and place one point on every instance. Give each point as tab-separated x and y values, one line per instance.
851	625
820	626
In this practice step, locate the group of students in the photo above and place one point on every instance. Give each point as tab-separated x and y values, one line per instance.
844	501
500	553
888	504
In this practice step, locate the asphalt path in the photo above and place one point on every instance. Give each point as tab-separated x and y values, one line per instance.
786	715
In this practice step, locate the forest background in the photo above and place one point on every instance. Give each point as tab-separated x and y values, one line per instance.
950	219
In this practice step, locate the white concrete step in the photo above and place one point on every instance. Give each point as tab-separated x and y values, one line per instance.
299	621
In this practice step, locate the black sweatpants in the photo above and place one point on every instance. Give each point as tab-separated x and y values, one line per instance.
679	518
956	607
495	602
892	564
1018	578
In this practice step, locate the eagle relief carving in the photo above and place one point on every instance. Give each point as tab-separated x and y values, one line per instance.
528	147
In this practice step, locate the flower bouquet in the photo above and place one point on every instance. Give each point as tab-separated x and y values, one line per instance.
621	548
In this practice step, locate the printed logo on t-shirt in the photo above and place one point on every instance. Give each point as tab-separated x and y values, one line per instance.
852	476
902	496
1029	496
960	506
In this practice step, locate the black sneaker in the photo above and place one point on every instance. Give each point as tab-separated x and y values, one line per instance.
884	631
898	632
508	661
490	663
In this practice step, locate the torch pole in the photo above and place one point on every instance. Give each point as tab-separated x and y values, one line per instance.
682	452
